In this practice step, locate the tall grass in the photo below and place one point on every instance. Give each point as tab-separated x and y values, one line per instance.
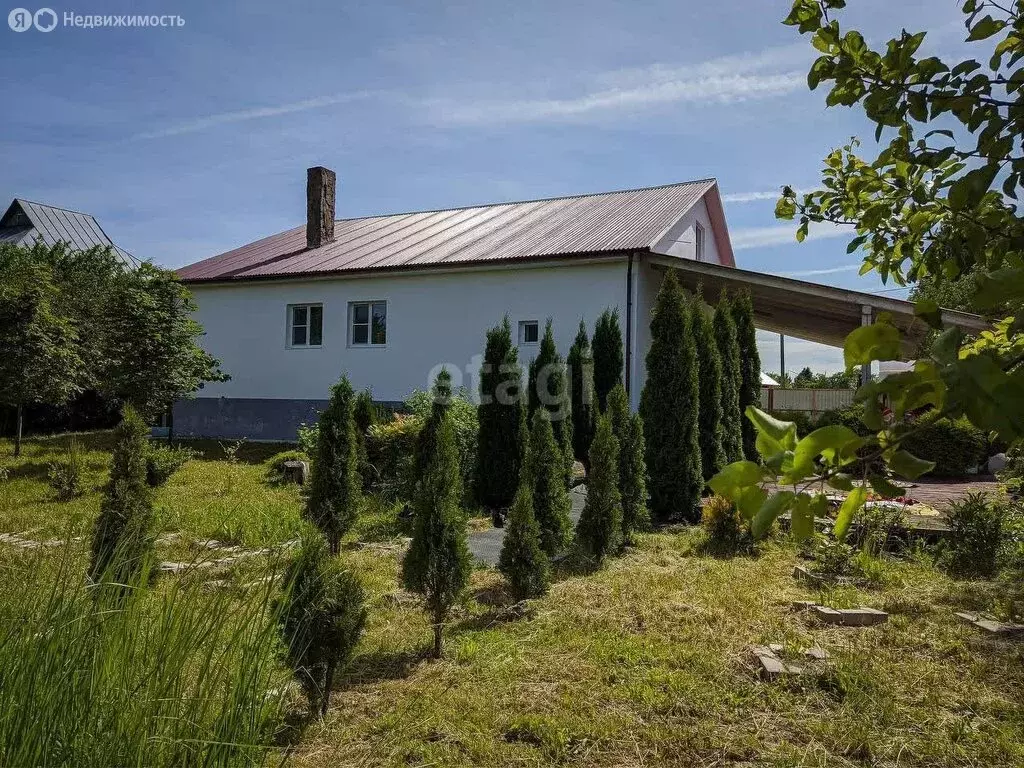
168	676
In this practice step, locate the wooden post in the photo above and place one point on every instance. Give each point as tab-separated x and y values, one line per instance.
866	318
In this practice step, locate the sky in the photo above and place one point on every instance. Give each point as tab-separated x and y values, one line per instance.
186	141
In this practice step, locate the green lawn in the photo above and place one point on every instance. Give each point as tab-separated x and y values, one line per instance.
643	663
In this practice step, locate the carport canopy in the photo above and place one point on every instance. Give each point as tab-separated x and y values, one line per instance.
810	311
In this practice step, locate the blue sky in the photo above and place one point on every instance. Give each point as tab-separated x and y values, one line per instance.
187	141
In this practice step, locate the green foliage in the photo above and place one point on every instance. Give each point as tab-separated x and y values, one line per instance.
465	421
437	564
807	379
551	502
65	474
937	204
804	421
322	617
599	531
633	479
123	534
669	408
750	366
275	464
581	380
74	320
391	448
608	355
334	487
709	372
523	561
725	529
955	445
162	461
308	436
729	356
163	678
40	359
976	536
628	430
549	388
365	414
500	450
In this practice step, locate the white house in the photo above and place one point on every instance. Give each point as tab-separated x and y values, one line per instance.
389	299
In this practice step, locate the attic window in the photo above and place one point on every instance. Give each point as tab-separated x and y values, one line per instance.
698	239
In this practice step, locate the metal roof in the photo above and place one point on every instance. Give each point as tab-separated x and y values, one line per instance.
26	221
562	226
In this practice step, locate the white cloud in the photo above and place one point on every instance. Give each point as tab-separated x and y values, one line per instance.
750	197
723	80
824	271
223	118
783	234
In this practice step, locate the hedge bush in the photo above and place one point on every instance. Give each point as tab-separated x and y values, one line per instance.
955	446
162	461
275	464
465	422
391	448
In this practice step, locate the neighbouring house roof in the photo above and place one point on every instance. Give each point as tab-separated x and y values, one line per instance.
768	381
25	222
609	222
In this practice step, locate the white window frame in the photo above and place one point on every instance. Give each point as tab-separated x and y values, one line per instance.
368	303
522	332
698	240
291	326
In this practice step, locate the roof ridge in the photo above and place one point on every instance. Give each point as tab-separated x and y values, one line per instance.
55	207
534	200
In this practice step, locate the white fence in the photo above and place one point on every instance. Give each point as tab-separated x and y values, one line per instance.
810	400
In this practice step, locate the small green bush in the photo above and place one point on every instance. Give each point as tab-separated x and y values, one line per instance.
805	422
723	526
847	417
275	464
464	420
65	475
162	461
955	446
976	536
308	434
390	450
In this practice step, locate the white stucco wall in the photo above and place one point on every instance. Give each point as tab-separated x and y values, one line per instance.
433	318
681	240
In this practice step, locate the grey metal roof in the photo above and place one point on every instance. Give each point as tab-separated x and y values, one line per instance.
26	221
562	226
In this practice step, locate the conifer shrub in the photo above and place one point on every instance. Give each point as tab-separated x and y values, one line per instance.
548	389
335	486
669	409
729	356
365	414
437	564
551	501
322	614
723	526
465	422
500	451
750	368
583	399
628	430
608	355
123	534
709	372
599	531
633	480
523	561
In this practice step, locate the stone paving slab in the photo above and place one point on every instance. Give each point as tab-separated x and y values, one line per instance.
485	545
991	625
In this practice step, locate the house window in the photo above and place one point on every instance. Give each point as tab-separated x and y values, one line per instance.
529	331
698	239
305	325
369	323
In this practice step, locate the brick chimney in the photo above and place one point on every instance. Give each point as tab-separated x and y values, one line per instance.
320	184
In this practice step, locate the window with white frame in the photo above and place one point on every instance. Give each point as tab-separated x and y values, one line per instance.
529	331
698	239
305	325
368	323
